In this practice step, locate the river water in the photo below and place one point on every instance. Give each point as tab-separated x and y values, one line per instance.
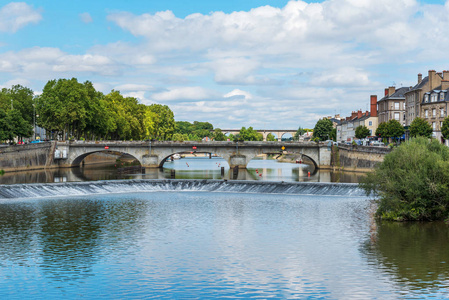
139	239
187	168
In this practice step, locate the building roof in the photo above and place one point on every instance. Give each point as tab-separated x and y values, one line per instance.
356	119
398	94
420	85
437	90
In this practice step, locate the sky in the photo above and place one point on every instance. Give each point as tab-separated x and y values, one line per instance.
269	64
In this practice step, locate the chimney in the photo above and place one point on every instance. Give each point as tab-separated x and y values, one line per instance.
353	115
391	90
359	114
373	105
432	79
445	75
386	92
445	84
419	78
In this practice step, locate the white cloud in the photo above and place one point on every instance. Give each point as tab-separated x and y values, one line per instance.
16	15
240	93
183	93
86	17
273	66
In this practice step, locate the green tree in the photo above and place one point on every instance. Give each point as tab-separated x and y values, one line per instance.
362	132
164	122
382	130
6	132
249	135
394	129
219	135
299	133
411	182
21	99
271	138
19	126
333	135
420	127
445	128
323	129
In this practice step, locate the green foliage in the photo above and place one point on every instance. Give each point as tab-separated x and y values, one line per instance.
271	138
323	130
198	130
249	135
219	135
394	129
420	127
382	130
2	172
445	128
362	132
298	133
412	182
164	122
6	131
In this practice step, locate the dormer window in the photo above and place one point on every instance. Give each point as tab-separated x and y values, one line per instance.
442	96
426	98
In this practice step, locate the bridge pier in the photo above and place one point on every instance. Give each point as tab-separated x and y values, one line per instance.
237	161
150	161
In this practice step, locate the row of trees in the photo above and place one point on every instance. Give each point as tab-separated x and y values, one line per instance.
69	109
16	112
72	109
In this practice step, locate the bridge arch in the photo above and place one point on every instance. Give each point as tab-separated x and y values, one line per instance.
76	162
299	155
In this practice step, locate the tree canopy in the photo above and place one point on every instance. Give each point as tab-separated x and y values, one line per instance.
411	182
420	127
362	132
249	135
323	129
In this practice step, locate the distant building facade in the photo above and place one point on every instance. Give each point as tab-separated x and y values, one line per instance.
346	128
414	97
392	105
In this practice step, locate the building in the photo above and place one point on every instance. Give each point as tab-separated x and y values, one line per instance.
392	105
415	96
346	129
434	106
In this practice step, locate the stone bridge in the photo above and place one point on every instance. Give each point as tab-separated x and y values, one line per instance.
154	154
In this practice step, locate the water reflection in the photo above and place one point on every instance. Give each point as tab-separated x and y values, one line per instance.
186	168
414	255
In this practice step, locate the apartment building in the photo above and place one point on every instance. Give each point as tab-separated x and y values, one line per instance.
392	105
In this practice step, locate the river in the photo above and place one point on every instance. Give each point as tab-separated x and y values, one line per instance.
186	168
140	239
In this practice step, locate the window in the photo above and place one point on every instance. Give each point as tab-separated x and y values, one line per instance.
426	114
396	105
441	125
442	112
442	96
434	112
433	125
396	116
426	98
370	123
434	98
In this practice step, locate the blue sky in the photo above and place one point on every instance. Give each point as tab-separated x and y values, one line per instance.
260	63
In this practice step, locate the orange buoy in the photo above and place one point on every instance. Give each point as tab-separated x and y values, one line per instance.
308	173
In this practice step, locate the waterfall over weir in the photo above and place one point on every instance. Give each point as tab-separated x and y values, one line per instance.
132	186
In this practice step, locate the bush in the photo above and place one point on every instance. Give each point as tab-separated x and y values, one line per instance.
412	183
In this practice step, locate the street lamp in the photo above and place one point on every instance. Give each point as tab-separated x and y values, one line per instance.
34	120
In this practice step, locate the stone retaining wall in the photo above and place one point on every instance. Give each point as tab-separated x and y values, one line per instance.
27	157
358	158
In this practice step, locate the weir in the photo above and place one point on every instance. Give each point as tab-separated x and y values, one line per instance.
70	189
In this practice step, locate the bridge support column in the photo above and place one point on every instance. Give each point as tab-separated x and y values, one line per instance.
238	161
150	161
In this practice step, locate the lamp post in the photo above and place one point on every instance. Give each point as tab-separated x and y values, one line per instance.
34	120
